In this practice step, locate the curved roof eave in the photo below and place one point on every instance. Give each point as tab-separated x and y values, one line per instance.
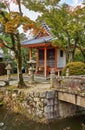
45	39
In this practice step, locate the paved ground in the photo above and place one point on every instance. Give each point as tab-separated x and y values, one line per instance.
13	81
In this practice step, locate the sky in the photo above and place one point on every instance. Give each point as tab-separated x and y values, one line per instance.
33	15
72	2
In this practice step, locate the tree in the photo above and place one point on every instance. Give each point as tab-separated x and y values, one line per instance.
10	22
67	25
81	41
40	5
78	34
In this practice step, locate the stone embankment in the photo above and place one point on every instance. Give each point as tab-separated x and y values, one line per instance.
41	100
39	105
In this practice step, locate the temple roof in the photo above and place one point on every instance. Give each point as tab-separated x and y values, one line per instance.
40	38
44	39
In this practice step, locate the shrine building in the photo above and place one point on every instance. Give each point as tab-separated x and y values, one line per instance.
48	56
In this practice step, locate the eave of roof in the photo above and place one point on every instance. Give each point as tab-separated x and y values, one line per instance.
45	39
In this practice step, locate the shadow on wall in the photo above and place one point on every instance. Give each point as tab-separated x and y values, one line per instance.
2	69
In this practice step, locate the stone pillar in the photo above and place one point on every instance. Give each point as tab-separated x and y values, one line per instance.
31	72
58	73
8	68
52	78
67	72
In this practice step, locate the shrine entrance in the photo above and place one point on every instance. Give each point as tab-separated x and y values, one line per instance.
50	57
46	60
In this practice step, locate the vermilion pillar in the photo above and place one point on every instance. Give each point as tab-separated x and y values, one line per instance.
45	61
30	54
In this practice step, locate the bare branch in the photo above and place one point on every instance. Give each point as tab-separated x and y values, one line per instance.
4	43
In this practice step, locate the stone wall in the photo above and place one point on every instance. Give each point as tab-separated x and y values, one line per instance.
41	105
73	82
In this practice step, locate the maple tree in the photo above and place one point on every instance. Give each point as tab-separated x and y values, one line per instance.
10	22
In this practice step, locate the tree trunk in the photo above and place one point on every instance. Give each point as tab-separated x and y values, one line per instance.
74	48
68	47
21	83
83	52
18	57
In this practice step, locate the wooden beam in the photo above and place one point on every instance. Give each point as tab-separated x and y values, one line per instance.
36	45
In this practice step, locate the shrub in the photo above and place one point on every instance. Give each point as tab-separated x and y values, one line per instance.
75	68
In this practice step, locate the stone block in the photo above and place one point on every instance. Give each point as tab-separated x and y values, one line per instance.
67	97
31	94
50	94
50	102
39	105
14	95
49	115
81	101
39	113
37	94
29	111
36	100
55	107
48	109
45	102
55	101
43	94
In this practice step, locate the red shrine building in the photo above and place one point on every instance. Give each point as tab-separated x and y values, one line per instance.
48	56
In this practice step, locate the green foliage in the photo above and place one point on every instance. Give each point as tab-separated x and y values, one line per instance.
75	68
25	55
67	27
39	5
2	5
78	56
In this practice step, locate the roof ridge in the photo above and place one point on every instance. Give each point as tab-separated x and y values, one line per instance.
47	29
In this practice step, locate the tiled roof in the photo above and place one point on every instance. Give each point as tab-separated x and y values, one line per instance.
44	39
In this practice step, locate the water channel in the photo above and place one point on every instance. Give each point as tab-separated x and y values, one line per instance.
12	121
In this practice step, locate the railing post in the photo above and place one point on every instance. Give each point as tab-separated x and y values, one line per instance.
52	78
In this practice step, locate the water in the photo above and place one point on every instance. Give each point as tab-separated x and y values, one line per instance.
12	121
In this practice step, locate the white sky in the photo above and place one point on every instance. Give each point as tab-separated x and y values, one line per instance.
72	2
33	15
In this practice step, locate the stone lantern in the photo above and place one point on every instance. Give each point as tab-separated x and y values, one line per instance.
67	72
8	68
31	69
